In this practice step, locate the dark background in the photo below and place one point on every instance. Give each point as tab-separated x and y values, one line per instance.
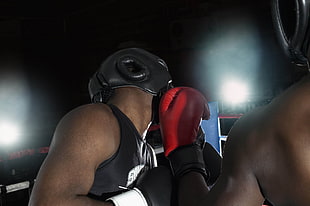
49	49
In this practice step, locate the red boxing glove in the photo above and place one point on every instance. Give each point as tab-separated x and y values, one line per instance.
180	113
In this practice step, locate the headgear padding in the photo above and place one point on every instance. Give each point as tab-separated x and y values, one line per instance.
132	67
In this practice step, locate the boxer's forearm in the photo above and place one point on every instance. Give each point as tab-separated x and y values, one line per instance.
192	189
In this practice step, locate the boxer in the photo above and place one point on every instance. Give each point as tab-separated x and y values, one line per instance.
99	155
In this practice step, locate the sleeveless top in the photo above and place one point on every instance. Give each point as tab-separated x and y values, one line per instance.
120	171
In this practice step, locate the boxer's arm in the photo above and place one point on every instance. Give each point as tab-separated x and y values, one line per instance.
181	110
237	184
83	139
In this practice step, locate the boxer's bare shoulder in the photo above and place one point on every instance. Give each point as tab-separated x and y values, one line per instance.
90	127
88	121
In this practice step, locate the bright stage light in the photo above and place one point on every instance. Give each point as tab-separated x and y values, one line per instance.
232	50
14	106
8	133
234	92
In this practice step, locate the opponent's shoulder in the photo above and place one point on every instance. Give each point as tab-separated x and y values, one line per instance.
249	121
295	98
246	136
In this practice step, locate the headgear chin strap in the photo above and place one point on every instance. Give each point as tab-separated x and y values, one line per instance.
295	46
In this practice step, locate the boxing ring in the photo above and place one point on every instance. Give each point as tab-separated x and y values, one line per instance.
14	185
212	127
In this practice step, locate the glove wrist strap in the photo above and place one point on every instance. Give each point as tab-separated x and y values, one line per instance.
187	159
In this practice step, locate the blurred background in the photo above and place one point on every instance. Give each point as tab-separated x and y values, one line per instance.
49	50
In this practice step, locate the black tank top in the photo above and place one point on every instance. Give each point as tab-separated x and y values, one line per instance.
133	156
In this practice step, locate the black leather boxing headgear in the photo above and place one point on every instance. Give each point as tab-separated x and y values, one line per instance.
132	67
296	45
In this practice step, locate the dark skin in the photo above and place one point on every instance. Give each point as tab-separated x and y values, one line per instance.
83	139
266	156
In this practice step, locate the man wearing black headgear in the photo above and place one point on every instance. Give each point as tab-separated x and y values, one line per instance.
267	153
99	155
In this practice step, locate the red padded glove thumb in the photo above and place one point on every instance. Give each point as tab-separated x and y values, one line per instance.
180	113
